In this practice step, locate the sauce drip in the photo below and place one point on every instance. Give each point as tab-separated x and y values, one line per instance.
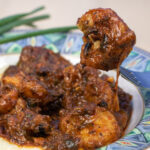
116	100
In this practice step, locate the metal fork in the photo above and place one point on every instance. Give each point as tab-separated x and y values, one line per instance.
141	79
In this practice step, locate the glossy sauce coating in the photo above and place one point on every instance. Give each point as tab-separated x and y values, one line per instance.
107	39
59	106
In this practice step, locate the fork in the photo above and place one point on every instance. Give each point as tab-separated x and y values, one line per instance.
140	79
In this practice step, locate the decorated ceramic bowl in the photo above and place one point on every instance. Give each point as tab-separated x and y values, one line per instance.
137	134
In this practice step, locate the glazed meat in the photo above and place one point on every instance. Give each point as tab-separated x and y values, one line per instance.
8	98
83	84
93	128
43	61
123	97
45	101
38	77
29	87
57	140
107	39
89	113
46	66
22	124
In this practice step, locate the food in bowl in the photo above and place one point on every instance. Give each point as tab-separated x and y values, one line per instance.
47	102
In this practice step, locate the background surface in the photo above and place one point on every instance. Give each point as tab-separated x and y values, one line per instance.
136	13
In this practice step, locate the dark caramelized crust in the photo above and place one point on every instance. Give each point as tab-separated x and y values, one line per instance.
107	39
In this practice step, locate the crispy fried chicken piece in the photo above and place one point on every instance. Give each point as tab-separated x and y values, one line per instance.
94	129
107	39
83	84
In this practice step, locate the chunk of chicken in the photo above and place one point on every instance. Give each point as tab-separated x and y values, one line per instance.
29	87
8	98
107	39
93	129
41	61
83	84
22	123
38	76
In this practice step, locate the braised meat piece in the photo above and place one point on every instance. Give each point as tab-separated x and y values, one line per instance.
22	124
43	61
46	66
107	39
94	129
10	71
82	84
123	97
45	101
59	141
8	98
29	87
38	77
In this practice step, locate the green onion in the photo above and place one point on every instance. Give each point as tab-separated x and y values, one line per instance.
9	26
31	25
12	18
35	33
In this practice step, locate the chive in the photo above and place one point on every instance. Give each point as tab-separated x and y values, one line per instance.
31	25
8	27
12	18
36	33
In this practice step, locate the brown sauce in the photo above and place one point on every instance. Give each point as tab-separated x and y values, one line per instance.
116	101
107	42
55	105
46	101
